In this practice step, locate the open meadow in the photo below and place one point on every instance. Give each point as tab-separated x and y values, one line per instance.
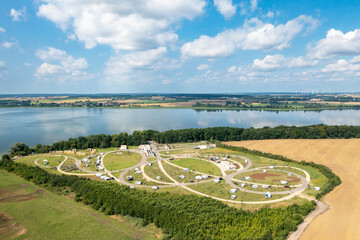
343	157
31	212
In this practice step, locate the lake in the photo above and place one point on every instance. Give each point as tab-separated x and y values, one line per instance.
47	125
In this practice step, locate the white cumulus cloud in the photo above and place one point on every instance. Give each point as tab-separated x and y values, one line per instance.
203	67
253	4
140	65
342	65
253	35
225	7
337	43
278	61
58	65
18	15
2	29
7	45
125	25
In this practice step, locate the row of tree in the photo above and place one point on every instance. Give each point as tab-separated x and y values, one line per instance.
180	216
193	135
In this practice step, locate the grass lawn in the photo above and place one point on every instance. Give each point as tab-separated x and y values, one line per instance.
198	165
47	215
30	160
154	171
269	177
121	160
176	172
54	161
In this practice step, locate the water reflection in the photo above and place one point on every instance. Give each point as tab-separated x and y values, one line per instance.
46	125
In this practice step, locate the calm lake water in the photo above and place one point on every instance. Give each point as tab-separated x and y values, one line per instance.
47	125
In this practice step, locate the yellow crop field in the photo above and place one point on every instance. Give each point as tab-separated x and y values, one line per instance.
342	219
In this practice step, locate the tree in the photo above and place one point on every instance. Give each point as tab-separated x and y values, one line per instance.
5	157
19	149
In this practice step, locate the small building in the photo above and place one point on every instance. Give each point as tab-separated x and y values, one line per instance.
233	197
107	178
317	188
132	187
181	177
98	175
265	186
255	186
265	171
158	177
205	176
155	188
217	181
268	195
247	178
129	178
243	185
283	182
100	168
123	147
272	167
246	161
186	169
138	172
137	169
149	164
138	182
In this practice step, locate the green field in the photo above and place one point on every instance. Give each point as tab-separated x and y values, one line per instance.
117	161
176	172
269	179
154	171
198	165
46	215
54	161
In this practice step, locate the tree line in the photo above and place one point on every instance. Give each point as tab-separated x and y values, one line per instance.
179	216
192	135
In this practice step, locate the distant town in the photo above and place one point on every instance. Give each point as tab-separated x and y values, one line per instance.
275	101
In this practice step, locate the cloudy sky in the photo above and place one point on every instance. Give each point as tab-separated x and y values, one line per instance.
212	46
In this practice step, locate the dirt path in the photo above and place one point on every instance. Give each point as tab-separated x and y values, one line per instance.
343	157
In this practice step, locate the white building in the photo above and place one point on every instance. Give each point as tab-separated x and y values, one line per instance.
233	197
228	165
129	178
149	164
138	182
148	150
265	186
155	188
283	182
243	185
255	186
98	175
217	181
317	188
186	169
158	177
247	178
100	168
264	171
138	172
123	147
181	177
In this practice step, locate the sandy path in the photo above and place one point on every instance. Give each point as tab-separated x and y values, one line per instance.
342	219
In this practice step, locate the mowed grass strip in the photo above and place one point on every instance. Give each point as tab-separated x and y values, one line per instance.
46	215
153	171
198	165
117	161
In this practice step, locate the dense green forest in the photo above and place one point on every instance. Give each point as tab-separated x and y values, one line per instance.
193	135
180	216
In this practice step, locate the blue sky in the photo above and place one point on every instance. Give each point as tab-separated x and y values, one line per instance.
210	46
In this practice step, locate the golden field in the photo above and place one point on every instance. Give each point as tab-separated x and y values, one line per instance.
342	220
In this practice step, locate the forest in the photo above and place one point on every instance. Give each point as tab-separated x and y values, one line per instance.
179	216
191	135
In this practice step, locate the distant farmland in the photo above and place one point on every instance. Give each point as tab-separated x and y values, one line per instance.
343	157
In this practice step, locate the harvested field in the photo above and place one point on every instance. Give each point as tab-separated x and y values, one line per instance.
8	228
343	157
